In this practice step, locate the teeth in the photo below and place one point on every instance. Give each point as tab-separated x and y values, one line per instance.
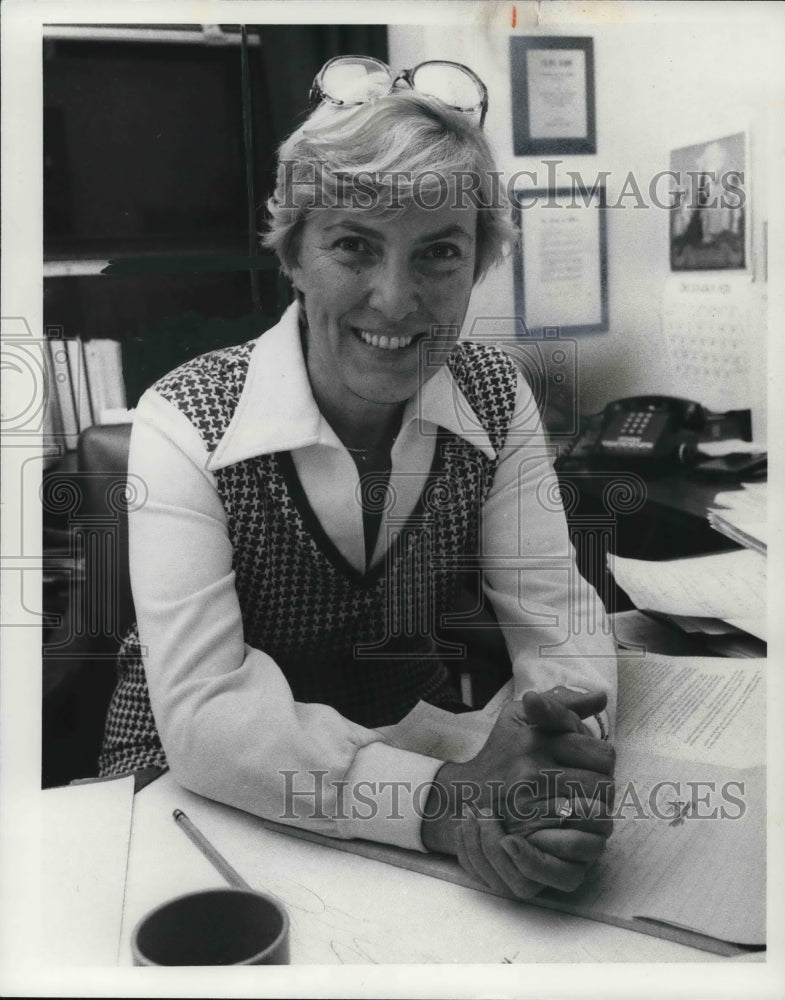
384	342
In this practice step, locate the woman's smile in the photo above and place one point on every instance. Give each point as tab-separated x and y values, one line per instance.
383	341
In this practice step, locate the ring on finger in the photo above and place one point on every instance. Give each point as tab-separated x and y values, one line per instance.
563	809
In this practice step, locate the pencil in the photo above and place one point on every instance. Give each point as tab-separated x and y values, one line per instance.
213	856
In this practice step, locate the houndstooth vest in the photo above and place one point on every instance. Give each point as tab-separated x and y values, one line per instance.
367	644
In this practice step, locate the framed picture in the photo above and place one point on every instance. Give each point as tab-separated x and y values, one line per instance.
709	221
553	95
560	260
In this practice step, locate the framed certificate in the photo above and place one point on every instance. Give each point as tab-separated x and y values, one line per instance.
560	260
552	95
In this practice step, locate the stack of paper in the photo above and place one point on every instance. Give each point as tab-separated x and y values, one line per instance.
715	636
730	586
742	516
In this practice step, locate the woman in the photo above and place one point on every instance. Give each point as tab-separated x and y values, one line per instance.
315	495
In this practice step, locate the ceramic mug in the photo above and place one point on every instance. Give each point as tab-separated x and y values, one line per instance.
214	927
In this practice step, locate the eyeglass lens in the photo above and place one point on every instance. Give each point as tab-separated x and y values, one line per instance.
354	80
449	84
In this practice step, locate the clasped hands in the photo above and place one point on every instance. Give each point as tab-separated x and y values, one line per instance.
531	810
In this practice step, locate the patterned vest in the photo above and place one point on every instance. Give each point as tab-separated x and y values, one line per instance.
367	644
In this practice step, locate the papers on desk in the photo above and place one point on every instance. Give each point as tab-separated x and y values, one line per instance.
687	857
741	515
730	586
691	739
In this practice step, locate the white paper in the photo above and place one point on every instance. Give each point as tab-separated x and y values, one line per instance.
730	586
688	846
436	733
694	708
85	834
699	865
561	264
717	449
751	499
556	80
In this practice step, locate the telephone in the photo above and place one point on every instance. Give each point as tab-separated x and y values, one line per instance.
650	432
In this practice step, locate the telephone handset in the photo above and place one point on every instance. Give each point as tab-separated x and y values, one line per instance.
640	431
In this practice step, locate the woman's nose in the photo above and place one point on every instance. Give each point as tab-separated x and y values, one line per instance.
394	292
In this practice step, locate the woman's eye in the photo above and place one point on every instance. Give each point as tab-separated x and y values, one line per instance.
442	251
353	245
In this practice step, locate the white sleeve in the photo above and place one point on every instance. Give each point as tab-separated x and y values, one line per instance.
554	623
226	716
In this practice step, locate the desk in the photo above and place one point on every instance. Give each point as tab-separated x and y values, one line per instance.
347	909
624	513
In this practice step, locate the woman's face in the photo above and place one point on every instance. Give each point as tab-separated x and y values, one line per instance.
373	289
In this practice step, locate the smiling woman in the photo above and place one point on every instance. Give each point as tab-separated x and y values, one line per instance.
319	496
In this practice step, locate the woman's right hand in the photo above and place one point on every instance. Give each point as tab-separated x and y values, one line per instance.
497	812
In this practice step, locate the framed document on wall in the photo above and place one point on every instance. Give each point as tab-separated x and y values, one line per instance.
552	95
560	260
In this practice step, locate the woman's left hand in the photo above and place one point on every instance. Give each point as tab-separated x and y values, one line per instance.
524	865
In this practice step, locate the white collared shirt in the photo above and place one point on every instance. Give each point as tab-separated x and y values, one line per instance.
229	724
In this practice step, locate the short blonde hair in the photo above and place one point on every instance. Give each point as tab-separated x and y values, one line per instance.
384	156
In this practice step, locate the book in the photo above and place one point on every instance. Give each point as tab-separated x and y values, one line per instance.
79	384
105	377
62	394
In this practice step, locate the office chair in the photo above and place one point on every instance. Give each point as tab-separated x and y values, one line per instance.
79	656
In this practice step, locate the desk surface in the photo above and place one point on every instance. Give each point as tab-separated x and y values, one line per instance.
347	909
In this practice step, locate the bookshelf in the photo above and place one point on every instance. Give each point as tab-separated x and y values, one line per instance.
149	171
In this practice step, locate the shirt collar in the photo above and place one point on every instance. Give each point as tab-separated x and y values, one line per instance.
277	411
